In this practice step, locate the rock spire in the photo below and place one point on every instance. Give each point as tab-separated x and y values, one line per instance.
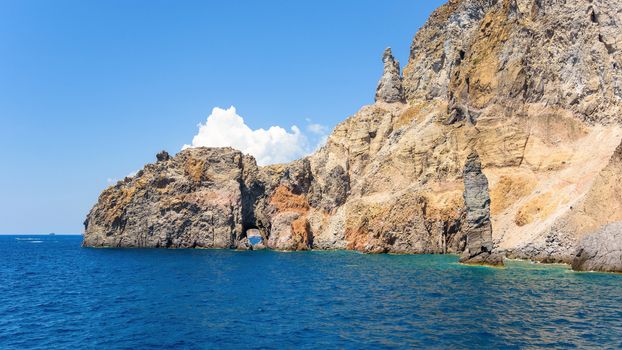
390	85
478	228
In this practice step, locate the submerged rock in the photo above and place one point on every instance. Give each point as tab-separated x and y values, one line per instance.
477	226
600	250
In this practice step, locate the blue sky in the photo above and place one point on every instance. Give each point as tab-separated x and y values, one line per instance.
91	90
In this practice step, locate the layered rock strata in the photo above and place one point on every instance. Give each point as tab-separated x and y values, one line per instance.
533	86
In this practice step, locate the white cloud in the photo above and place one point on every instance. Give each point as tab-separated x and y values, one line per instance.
318	129
224	127
319	133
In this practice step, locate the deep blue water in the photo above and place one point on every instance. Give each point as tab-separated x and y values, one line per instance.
57	295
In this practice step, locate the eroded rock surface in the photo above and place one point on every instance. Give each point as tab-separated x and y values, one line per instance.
477	226
600	250
390	85
199	198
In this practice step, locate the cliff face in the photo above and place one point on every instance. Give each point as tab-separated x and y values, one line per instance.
533	86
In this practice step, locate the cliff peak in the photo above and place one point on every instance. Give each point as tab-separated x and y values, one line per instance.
390	85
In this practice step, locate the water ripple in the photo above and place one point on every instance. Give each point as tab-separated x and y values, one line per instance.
62	296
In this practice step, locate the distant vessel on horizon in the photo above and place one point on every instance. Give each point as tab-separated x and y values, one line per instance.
52	234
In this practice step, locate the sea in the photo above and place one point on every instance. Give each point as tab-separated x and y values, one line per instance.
54	294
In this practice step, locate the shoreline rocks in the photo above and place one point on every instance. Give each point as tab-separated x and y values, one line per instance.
601	250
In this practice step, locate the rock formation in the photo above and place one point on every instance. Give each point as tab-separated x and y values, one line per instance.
199	198
390	85
601	250
477	226
533	86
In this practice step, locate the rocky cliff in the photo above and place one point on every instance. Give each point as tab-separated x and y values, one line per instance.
533	86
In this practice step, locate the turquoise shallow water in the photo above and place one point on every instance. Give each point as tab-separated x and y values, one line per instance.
56	295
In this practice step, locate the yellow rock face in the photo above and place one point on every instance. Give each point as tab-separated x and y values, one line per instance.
532	89
509	189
